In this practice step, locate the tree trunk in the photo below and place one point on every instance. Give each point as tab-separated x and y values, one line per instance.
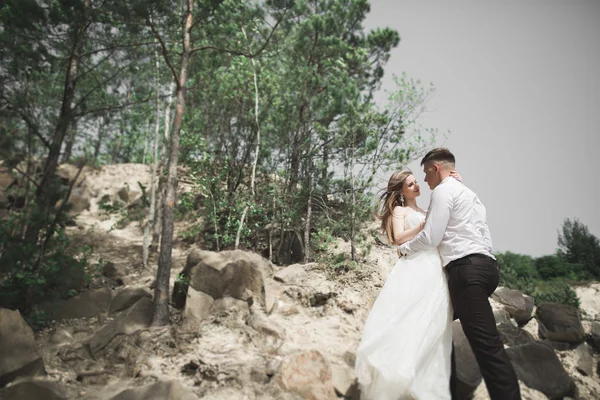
147	138
255	163
161	291
295	163
150	222
70	140
353	206
100	137
42	196
309	183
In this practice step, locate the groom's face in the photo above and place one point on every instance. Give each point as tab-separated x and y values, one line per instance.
432	176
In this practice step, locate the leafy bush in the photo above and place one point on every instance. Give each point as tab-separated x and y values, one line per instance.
576	245
542	278
555	291
31	273
555	266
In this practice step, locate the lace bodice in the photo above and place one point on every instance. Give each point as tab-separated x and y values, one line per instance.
413	219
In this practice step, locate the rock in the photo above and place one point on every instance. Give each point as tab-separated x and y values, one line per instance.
198	306
126	298
137	317
19	355
286	309
60	337
533	328
113	271
88	304
561	346
123	194
595	336
343	380
560	322
266	327
78	202
468	373
518	306
234	273
229	305
537	365
67	174
501	316
585	360
291	274
312	296
513	335
161	390
270	299
306	374
34	390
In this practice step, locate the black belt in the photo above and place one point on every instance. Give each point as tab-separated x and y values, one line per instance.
468	257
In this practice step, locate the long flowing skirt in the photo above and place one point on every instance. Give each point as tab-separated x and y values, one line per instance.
405	348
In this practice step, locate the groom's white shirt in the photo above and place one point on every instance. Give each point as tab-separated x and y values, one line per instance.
456	224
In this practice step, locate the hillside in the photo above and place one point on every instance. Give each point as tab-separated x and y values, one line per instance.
294	340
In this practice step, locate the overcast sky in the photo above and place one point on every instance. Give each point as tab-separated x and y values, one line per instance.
518	86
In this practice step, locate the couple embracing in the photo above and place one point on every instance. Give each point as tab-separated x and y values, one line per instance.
446	271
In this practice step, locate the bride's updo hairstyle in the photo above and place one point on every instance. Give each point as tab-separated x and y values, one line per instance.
389	199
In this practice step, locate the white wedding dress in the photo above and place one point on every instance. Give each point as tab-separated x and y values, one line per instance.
405	348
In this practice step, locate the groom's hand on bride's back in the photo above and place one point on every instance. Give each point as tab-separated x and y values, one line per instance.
454	173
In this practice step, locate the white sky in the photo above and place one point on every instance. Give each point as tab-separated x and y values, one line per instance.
518	86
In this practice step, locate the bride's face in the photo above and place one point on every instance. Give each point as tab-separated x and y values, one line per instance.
411	189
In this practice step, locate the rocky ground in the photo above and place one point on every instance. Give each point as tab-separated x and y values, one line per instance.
243	328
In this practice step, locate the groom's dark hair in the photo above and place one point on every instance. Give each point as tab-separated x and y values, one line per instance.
440	154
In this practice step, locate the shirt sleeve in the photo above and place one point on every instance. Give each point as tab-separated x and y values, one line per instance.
438	216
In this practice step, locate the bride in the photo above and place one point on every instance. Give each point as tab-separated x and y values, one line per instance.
406	342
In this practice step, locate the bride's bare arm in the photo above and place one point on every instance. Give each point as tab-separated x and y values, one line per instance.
402	235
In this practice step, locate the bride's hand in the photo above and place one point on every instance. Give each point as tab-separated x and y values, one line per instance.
421	225
456	175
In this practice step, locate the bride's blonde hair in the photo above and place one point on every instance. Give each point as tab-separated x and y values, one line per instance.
389	199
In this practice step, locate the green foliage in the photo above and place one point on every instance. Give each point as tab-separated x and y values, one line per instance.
555	291
549	278
556	266
542	278
30	275
577	246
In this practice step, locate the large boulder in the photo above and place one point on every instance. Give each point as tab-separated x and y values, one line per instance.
34	390
86	305
307	375
585	360
135	318
513	335
596	335
537	365
233	273
19	355
126	298
560	323
468	374
520	307
291	274
161	390
198	306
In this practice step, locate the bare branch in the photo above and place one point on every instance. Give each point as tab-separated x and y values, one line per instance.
16	168
165	52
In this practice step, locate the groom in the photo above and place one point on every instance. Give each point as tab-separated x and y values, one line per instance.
456	225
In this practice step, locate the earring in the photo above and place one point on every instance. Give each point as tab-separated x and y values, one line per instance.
402	200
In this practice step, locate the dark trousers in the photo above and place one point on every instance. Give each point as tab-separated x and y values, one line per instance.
471	280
